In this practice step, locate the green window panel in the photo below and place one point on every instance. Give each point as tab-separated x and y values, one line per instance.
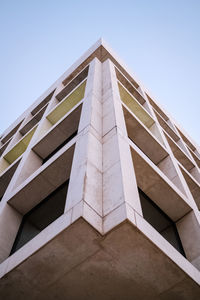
19	148
67	104
135	107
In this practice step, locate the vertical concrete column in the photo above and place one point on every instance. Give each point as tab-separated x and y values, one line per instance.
120	193
30	161
189	231
188	226
169	165
85	186
10	218
10	221
13	140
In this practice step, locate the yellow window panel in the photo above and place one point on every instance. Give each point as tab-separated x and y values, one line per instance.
67	104
19	148
135	107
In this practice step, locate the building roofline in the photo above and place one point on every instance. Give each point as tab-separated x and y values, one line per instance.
102	50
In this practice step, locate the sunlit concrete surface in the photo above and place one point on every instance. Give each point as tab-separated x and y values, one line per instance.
99	192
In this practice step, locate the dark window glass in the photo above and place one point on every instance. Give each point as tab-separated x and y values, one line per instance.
60	146
41	216
160	221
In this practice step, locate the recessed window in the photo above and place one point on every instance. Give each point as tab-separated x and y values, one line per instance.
160	221
60	146
70	83
11	133
42	104
41	216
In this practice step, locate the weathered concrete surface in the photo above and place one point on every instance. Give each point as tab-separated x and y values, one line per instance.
81	264
44	181
130	260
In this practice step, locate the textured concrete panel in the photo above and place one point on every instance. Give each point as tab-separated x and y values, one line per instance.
122	265
98	128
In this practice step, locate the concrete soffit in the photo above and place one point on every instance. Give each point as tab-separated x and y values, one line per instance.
105	152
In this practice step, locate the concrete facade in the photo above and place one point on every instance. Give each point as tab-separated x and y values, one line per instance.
127	181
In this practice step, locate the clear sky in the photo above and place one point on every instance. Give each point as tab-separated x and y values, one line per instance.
159	40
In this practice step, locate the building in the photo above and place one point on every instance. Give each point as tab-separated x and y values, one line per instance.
100	192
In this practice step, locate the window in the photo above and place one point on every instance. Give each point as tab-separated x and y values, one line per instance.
160	221
42	104
11	133
60	146
41	216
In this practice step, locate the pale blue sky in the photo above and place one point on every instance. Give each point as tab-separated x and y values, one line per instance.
159	40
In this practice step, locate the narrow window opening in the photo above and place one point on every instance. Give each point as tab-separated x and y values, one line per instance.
60	146
41	216
11	133
42	104
160	221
